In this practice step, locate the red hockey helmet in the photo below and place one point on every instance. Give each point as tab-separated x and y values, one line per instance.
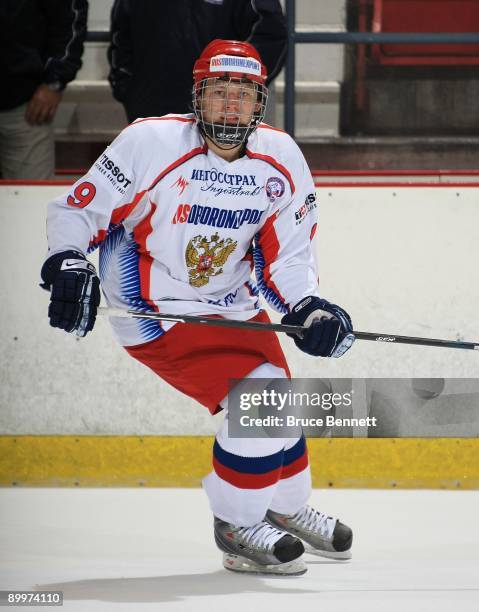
229	64
234	58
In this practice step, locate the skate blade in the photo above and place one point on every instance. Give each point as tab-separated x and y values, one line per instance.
328	554
235	563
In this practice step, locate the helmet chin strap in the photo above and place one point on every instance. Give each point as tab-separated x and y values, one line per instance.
217	144
226	137
229	137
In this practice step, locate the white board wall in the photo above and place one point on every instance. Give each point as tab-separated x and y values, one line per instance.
401	260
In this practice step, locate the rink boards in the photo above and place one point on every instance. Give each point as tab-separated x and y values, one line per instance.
401	259
182	461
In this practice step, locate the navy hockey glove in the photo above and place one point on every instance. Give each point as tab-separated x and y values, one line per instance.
330	331
75	291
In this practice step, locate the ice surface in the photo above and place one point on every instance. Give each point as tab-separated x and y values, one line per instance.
152	549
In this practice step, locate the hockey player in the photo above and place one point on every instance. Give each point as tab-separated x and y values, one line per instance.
184	207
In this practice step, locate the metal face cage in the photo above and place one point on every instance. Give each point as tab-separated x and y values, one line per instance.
229	109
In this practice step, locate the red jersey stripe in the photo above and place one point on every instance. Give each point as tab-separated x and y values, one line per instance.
121	213
140	234
97	239
269	245
272	162
118	216
178	162
183	119
266	126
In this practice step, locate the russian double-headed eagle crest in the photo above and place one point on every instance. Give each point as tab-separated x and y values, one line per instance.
204	256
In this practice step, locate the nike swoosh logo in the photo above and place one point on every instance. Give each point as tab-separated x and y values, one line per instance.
79	264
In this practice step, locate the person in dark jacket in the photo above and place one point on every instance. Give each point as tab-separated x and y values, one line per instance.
40	52
154	45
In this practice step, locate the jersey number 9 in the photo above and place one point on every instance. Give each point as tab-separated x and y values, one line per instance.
82	196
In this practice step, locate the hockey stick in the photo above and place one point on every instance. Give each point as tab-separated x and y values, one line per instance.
279	327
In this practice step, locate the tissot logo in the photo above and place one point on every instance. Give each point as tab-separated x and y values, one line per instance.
113	171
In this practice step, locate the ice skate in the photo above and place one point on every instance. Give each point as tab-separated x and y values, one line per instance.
322	535
260	549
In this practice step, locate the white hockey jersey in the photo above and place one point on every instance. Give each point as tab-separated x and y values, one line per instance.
181	230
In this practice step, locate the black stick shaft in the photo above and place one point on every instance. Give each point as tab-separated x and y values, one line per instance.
474	346
205	320
280	327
